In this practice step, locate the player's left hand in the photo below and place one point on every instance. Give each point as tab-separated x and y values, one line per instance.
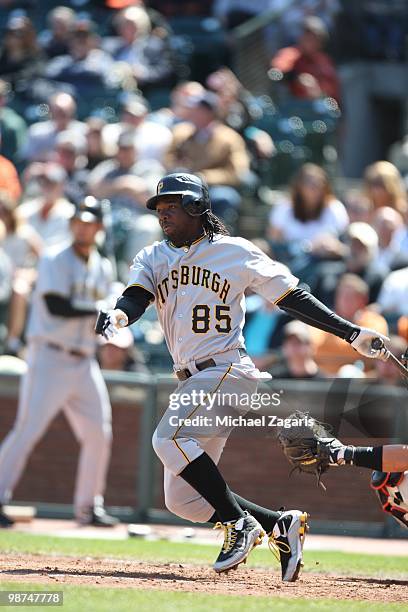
363	344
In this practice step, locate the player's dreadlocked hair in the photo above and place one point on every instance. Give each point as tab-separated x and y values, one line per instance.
213	225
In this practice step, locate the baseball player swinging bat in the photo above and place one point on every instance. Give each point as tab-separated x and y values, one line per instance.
196	278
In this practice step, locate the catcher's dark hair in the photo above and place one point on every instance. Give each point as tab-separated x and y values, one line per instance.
214	225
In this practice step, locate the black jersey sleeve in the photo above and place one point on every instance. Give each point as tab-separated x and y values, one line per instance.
134	302
304	306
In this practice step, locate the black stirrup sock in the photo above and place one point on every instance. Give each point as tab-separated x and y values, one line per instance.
266	517
204	476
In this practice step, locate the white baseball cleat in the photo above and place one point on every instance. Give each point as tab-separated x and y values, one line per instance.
286	542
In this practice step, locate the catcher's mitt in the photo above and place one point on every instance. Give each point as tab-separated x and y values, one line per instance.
306	444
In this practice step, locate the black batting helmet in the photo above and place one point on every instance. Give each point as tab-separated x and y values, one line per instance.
195	198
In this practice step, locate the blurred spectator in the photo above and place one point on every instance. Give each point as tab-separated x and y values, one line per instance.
238	109
42	136
351	301
105	179
96	145
86	67
312	214
55	40
127	183
120	354
385	187
49	213
13	128
151	139
308	71
70	153
178	110
393	297
20	243
21	58
9	180
233	100
363	242
299	352
358	206
23	247
293	18
390	228
157	20
205	145
148	54
361	248
386	372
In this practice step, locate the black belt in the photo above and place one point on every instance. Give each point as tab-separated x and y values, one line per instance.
203	365
73	352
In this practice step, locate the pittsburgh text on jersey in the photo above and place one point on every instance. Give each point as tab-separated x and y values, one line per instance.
193	275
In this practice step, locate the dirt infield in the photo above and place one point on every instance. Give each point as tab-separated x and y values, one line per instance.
194	578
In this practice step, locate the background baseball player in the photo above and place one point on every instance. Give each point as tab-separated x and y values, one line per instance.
62	371
197	278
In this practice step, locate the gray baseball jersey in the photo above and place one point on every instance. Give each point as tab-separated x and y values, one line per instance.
199	291
62	272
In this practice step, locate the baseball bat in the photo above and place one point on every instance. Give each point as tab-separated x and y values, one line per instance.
377	344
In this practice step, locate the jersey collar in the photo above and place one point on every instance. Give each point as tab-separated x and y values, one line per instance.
187	245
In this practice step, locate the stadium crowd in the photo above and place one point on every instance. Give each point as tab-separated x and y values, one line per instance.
104	99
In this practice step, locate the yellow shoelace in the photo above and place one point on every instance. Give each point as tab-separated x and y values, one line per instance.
230	535
277	547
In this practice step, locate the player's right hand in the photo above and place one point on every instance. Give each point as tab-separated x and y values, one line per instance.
115	320
363	344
